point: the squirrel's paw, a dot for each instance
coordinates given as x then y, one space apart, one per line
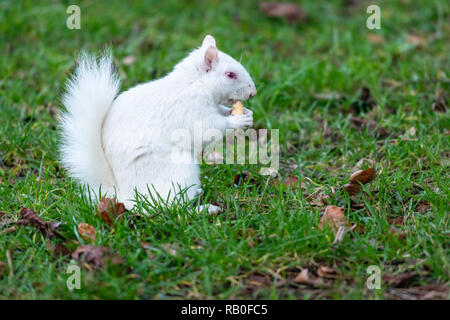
209 208
243 121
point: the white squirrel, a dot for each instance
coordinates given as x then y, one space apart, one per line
123 144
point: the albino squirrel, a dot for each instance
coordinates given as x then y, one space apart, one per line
121 144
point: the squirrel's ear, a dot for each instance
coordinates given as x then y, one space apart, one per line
209 41
211 58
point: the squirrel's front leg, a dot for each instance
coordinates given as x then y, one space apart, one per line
242 121
224 120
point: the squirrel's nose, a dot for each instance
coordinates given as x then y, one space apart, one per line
253 93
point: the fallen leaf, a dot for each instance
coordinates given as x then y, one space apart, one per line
30 218
353 189
60 250
289 182
396 280
360 177
327 272
431 291
318 199
334 217
363 176
397 220
302 277
423 207
258 280
109 209
94 256
86 231
287 10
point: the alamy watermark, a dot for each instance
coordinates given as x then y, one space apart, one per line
198 145
73 21
374 20
74 280
374 280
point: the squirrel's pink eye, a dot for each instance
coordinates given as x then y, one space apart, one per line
231 75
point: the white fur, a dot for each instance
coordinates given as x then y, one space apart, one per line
125 144
90 93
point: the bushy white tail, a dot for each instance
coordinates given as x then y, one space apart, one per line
88 98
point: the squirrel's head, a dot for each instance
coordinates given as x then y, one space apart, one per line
220 74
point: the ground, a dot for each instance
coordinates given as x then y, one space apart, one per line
310 75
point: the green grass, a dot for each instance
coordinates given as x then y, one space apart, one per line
266 233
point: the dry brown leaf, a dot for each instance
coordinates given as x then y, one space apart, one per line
334 217
327 272
357 178
87 232
302 277
363 176
30 218
60 250
432 291
317 199
258 279
287 10
290 182
353 189
423 207
397 220
396 280
109 209
94 256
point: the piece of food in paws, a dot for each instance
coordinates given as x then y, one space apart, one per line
237 109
